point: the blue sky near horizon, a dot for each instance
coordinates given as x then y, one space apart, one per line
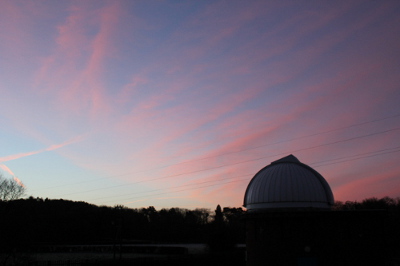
179 104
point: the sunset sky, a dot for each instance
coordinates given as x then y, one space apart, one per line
180 103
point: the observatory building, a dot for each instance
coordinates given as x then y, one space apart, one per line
289 220
287 184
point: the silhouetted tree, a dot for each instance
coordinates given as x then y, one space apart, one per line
198 216
385 203
219 218
10 189
221 239
235 224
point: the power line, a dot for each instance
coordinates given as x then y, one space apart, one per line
326 162
244 179
240 162
163 193
360 154
185 189
232 152
274 143
358 158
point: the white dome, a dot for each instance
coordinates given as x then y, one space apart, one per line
287 183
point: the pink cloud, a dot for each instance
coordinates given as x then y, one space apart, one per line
166 140
299 110
72 38
14 33
129 91
72 74
249 168
228 192
238 143
382 184
214 121
181 126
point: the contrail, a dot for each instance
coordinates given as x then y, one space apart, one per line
19 182
5 168
50 148
20 155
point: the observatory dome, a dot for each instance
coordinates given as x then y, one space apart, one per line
287 184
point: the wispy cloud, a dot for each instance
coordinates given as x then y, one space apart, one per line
214 87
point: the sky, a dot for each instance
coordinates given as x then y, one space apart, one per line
180 103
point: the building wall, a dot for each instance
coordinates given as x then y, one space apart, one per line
317 238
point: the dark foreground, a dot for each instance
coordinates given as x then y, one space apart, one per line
137 254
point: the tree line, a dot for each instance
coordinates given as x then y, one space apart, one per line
32 221
373 203
37 220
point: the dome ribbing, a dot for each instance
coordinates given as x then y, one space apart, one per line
287 183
